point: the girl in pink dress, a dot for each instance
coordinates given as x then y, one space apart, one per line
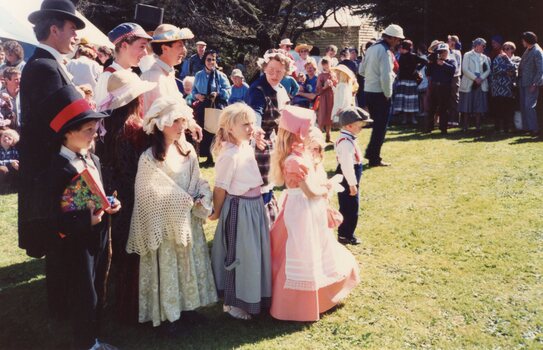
311 271
325 84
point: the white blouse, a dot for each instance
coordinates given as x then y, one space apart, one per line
236 170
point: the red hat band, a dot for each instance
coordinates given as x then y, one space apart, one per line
68 113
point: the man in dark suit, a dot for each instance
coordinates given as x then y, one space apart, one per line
55 26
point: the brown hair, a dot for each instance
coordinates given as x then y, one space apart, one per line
158 145
14 48
87 52
9 72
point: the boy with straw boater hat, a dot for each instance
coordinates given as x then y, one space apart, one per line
169 48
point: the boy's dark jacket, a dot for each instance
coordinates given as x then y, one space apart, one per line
57 177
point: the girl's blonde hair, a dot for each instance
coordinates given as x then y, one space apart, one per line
283 147
344 78
230 116
14 135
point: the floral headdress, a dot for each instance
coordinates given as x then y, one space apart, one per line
282 55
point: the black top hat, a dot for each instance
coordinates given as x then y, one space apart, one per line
64 9
68 108
149 17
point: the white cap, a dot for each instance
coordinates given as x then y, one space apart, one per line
237 73
286 42
395 31
442 47
201 43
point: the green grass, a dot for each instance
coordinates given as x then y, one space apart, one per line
451 258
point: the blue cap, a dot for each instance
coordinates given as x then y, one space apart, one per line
125 30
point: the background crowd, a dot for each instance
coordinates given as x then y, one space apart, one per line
140 97
445 84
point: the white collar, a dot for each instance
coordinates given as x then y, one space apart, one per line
71 155
166 67
57 55
347 133
117 66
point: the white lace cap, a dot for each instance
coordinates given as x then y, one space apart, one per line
163 112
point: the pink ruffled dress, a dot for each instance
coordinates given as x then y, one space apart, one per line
311 271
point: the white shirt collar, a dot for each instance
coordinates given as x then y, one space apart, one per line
57 55
117 66
71 155
166 67
347 133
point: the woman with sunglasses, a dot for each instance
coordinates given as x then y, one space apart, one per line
211 88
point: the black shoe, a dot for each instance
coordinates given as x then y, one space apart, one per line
444 132
208 163
352 241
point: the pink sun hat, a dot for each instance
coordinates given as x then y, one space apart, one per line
297 120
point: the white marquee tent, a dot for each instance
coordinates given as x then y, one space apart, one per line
14 23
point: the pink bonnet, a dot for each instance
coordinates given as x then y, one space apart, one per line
297 120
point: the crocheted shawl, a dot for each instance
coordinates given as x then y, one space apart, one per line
162 209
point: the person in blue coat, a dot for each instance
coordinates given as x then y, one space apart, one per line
240 87
211 89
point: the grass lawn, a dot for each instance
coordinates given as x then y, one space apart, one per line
452 258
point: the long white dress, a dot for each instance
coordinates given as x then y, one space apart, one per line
176 276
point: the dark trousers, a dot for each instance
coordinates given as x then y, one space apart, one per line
379 108
440 95
504 113
75 274
453 103
349 205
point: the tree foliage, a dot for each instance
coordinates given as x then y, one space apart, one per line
425 20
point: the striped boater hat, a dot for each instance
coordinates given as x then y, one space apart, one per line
168 32
68 108
125 30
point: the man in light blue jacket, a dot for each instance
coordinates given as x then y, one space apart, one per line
530 80
378 72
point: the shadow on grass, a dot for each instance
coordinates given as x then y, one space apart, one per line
486 135
24 323
528 139
13 275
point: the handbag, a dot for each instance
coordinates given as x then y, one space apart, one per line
211 119
212 114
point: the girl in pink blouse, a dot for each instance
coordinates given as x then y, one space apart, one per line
311 271
241 247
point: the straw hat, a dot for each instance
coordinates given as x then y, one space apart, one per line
300 47
123 87
168 32
343 68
